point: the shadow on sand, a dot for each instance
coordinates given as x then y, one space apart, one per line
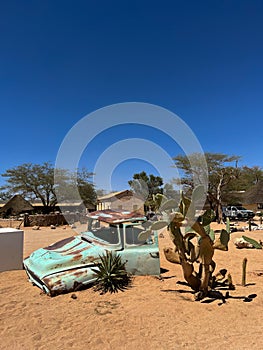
213 295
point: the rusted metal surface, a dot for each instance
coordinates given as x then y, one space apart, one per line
112 216
67 265
69 281
59 244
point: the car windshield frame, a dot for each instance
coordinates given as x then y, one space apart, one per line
108 235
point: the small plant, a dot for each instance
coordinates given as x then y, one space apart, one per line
254 243
111 274
244 272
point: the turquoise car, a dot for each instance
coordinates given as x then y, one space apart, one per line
67 265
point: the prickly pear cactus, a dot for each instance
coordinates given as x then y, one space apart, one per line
184 227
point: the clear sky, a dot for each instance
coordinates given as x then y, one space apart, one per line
61 60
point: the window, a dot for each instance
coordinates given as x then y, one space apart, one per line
109 235
132 233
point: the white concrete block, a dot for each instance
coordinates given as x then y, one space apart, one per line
11 249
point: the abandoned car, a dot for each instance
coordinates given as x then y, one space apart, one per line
67 265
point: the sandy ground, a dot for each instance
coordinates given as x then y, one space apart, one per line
153 314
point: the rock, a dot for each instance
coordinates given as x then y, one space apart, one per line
241 243
52 227
35 228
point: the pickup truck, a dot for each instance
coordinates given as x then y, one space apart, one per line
66 265
236 212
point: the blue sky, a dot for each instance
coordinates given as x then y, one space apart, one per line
61 60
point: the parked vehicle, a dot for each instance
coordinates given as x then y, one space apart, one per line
237 213
67 265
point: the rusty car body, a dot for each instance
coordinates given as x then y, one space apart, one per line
67 265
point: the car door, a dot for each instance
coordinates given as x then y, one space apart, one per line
142 258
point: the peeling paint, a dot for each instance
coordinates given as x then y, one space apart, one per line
67 265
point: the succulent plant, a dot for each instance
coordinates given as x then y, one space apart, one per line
244 271
252 241
183 227
111 274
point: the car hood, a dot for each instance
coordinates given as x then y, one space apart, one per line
64 255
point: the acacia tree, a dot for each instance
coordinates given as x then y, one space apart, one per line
32 181
221 172
246 178
85 187
5 196
36 181
147 186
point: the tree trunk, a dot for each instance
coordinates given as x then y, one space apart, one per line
219 213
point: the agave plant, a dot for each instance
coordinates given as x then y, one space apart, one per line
111 274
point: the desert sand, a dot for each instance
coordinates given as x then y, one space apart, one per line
153 314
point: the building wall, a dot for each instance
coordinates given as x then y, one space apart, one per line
129 203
